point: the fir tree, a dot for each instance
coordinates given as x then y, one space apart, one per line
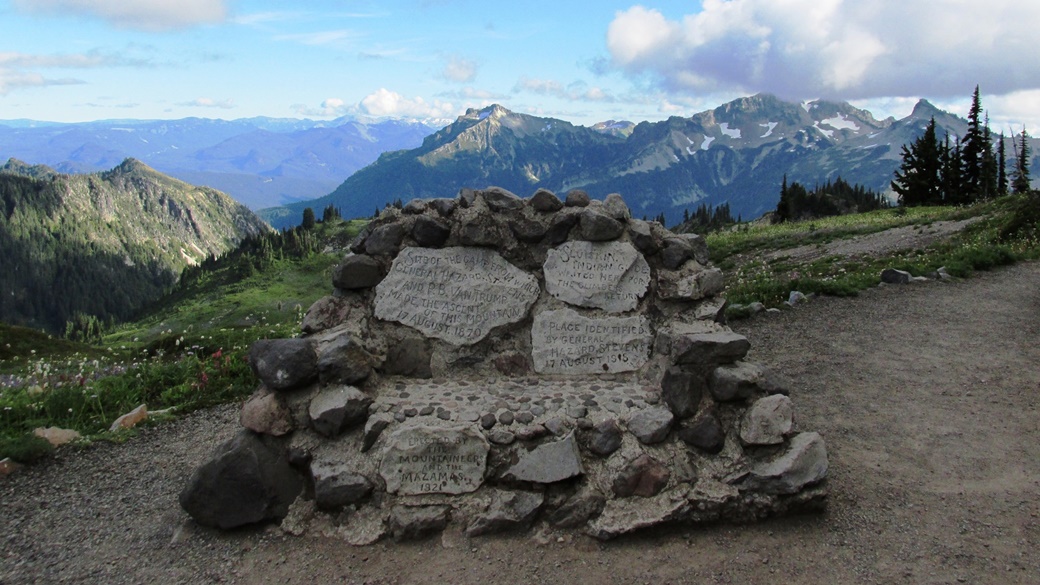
1002 180
1020 174
308 219
972 148
918 180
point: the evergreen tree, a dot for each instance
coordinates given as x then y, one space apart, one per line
783 207
972 148
330 213
988 175
918 180
950 185
1002 181
1020 174
308 219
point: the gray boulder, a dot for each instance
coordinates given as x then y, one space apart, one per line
335 487
545 201
705 349
284 364
248 480
548 463
385 240
616 208
499 199
578 509
599 227
266 413
357 271
430 232
577 198
681 391
508 510
742 380
703 432
644 477
893 276
604 438
415 522
803 463
344 361
338 408
768 421
651 425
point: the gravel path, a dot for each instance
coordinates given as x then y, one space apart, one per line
927 396
910 237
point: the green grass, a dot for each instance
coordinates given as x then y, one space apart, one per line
189 352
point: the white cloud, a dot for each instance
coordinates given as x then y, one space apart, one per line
205 102
578 91
20 70
384 102
329 108
460 70
847 49
137 14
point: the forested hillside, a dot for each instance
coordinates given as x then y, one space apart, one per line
100 246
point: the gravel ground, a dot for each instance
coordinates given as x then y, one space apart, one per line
926 394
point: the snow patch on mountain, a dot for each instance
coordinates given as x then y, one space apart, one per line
769 126
827 133
707 142
841 123
735 133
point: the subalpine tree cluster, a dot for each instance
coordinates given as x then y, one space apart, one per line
831 198
705 220
946 172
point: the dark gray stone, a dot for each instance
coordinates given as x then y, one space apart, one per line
335 486
604 438
501 437
385 240
681 391
326 313
499 199
505 418
374 426
560 228
651 425
548 463
739 381
545 201
284 364
430 232
357 271
623 516
467 197
644 477
247 480
707 349
531 432
344 361
482 231
508 510
616 208
893 276
578 510
558 426
642 237
768 421
408 357
415 522
577 198
337 409
599 227
675 252
703 432
443 206
488 421
414 207
804 462
698 245
528 231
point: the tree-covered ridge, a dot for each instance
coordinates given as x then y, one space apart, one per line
832 198
104 244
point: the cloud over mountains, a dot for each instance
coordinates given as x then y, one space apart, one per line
138 14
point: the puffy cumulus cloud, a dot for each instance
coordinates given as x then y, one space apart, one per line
329 108
384 102
459 70
137 14
205 102
578 91
846 49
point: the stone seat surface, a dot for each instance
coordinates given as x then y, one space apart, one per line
514 403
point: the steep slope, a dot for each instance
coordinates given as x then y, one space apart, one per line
104 244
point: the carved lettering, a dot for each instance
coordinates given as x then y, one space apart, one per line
612 276
565 342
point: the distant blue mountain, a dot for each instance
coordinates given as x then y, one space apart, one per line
261 162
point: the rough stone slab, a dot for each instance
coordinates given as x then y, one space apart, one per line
893 276
457 294
357 271
644 477
428 459
508 510
767 421
691 283
336 485
599 227
804 462
710 348
548 463
739 381
565 342
651 425
338 408
284 364
414 522
266 413
628 515
612 276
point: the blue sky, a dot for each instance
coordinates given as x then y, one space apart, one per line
583 61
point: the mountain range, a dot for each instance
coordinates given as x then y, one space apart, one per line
261 162
104 244
737 153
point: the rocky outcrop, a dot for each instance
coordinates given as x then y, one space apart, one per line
491 361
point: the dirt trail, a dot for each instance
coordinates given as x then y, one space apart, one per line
926 394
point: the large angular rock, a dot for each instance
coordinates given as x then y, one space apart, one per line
338 408
692 282
415 522
578 509
326 313
616 208
627 515
651 425
430 232
247 481
644 477
681 391
284 364
499 199
599 227
704 432
545 201
385 240
604 438
266 413
768 421
335 485
548 463
740 381
344 361
893 276
560 228
803 463
706 349
642 236
357 271
508 510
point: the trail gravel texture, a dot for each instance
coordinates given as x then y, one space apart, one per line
927 395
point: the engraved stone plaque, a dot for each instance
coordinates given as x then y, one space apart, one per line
565 342
427 459
456 294
607 275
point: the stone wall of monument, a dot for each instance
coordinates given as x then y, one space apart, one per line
494 361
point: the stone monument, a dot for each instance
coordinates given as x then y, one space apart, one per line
493 362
